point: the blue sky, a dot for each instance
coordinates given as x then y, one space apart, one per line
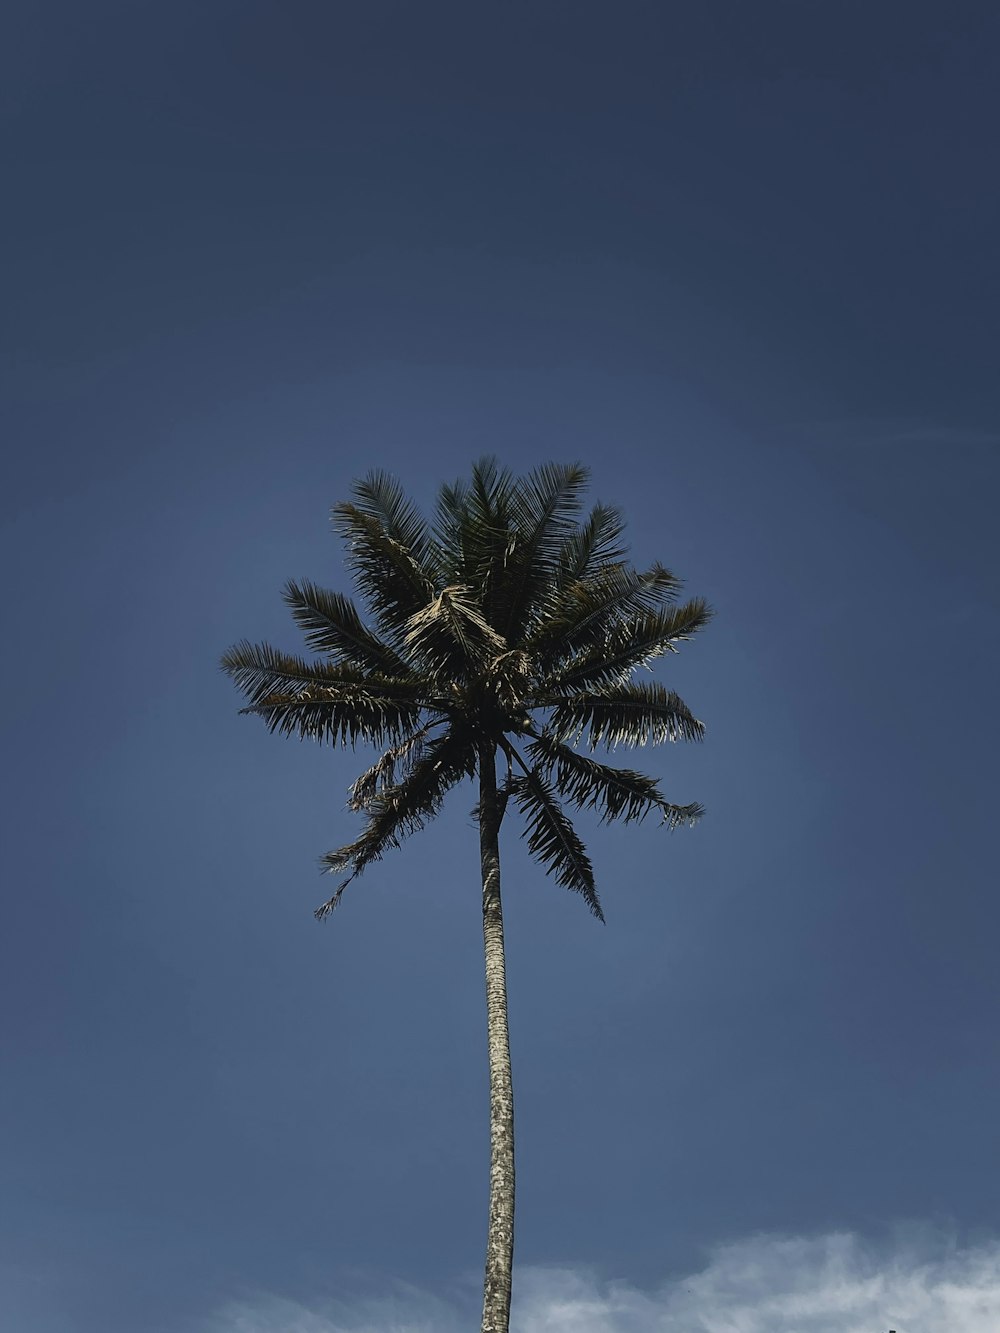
743 265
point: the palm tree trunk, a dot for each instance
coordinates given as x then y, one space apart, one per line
500 1238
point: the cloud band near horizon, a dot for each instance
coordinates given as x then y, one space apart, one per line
921 1282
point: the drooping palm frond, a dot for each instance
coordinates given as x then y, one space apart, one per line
330 624
551 837
544 508
404 808
633 643
615 793
390 578
392 767
636 714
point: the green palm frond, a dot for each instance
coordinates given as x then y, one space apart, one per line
491 492
473 531
552 839
382 498
472 537
634 714
404 808
323 702
259 670
341 716
330 624
590 611
633 643
615 793
595 544
544 507
390 578
453 535
490 533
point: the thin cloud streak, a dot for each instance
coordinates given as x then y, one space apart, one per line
829 1284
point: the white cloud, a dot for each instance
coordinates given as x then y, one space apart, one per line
828 1284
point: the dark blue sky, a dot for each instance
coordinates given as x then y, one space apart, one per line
742 261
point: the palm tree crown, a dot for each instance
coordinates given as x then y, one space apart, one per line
510 623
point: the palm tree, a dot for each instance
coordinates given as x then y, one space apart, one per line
509 626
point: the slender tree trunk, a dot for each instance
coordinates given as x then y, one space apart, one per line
500 1239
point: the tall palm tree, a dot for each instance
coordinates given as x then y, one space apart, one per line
509 626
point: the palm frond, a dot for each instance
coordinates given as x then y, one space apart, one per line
490 491
391 767
450 635
453 533
634 714
404 808
589 611
633 643
324 702
595 544
330 624
382 498
551 837
389 576
259 670
615 793
510 676
544 506
472 535
490 532
339 717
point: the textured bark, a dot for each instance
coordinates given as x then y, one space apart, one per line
500 1238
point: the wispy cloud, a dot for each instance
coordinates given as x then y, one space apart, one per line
828 1284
